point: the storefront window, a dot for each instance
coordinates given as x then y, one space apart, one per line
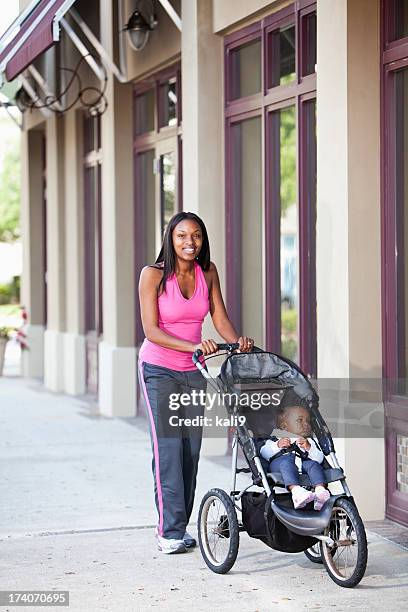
289 223
145 187
157 162
282 56
394 278
400 19
270 214
145 108
167 188
401 200
309 23
168 103
247 236
245 70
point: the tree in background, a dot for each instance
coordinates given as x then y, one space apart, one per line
10 195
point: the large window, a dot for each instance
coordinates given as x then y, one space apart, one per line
271 181
157 165
394 139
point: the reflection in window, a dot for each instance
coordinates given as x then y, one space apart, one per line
145 194
167 188
90 218
309 40
401 189
401 19
282 56
289 236
246 70
309 201
247 202
146 247
144 112
168 103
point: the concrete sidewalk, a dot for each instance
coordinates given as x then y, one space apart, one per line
77 513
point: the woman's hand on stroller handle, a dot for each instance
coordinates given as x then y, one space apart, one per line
246 344
204 348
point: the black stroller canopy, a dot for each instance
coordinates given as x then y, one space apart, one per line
260 371
270 371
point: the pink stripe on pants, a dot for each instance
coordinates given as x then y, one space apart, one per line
155 451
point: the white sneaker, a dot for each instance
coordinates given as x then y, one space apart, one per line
170 546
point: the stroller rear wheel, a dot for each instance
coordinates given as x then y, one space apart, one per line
346 561
218 531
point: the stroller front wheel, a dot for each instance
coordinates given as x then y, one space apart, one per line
346 561
314 554
218 531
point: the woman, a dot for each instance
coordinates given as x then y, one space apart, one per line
175 295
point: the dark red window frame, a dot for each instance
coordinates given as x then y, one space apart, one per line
394 57
92 164
298 92
145 142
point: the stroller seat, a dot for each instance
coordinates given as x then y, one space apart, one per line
275 477
331 475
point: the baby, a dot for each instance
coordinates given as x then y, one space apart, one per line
296 420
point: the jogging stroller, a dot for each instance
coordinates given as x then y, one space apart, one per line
335 535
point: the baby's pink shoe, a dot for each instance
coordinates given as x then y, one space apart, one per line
301 497
321 497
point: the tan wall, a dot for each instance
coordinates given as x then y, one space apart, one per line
348 249
363 85
332 179
163 47
233 14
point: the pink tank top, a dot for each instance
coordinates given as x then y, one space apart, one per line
179 317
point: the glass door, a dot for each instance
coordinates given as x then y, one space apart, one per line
283 229
246 277
166 164
395 291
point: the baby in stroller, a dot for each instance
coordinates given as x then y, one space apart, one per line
282 450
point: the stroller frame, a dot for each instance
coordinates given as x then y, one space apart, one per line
300 522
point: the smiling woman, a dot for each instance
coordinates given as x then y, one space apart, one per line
176 293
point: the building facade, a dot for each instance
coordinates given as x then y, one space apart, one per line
283 125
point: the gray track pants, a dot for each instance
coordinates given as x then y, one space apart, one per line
176 449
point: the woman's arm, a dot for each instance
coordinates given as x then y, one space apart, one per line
222 322
148 286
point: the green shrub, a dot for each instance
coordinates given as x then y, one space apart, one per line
289 348
10 292
5 293
289 320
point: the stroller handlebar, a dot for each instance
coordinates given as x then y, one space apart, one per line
228 346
